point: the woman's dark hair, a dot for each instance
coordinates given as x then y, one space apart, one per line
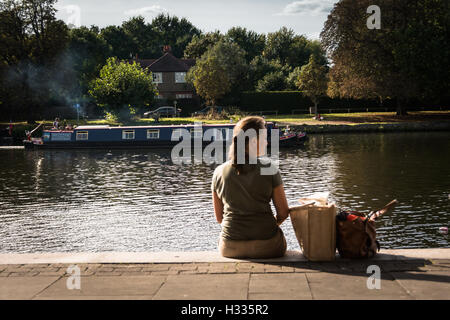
247 123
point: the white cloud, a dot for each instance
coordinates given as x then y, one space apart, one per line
307 7
145 11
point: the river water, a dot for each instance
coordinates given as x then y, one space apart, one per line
138 200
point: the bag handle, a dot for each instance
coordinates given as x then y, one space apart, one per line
373 215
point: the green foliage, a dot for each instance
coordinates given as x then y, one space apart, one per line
251 42
407 58
292 79
210 78
121 87
260 67
273 81
136 37
313 80
289 48
201 43
226 61
31 43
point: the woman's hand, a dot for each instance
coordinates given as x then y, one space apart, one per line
280 203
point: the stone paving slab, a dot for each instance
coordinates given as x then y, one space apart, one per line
353 287
292 286
23 288
425 285
204 287
105 286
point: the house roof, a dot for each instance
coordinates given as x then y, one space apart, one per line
167 63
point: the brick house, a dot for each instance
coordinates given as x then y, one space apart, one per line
169 74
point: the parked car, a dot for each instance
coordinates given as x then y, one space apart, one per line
166 111
207 110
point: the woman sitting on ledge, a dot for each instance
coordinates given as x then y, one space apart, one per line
242 193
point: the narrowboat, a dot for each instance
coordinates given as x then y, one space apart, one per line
157 136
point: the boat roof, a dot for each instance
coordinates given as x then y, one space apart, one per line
155 127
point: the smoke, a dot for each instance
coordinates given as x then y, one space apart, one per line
57 82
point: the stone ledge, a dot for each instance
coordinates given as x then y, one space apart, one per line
200 256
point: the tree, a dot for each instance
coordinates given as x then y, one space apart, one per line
144 39
251 42
86 53
122 88
273 81
292 79
407 58
287 47
313 81
260 67
201 43
175 32
31 43
210 78
121 44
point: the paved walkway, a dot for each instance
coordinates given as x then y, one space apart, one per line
405 274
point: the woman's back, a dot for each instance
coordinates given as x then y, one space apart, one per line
246 197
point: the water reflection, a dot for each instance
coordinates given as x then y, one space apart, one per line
128 200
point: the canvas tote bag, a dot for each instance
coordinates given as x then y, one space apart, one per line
315 228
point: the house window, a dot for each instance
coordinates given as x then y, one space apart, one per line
196 132
157 77
159 97
128 134
152 134
183 96
180 77
82 135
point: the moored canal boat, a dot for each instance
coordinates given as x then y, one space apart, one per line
159 136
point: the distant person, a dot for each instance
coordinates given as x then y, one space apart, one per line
242 197
56 124
156 117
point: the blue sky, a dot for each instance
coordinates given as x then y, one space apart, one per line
303 16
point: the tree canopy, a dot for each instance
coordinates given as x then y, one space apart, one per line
406 58
123 88
313 81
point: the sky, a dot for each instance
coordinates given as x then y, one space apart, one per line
263 16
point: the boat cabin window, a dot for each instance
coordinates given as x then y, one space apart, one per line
82 135
153 134
128 134
196 132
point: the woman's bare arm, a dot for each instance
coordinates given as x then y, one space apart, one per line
218 207
280 203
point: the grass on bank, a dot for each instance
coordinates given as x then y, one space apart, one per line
329 118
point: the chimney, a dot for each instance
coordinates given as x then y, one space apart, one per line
167 48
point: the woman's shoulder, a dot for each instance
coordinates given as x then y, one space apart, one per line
220 168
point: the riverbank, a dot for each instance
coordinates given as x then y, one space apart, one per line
371 127
331 123
405 274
